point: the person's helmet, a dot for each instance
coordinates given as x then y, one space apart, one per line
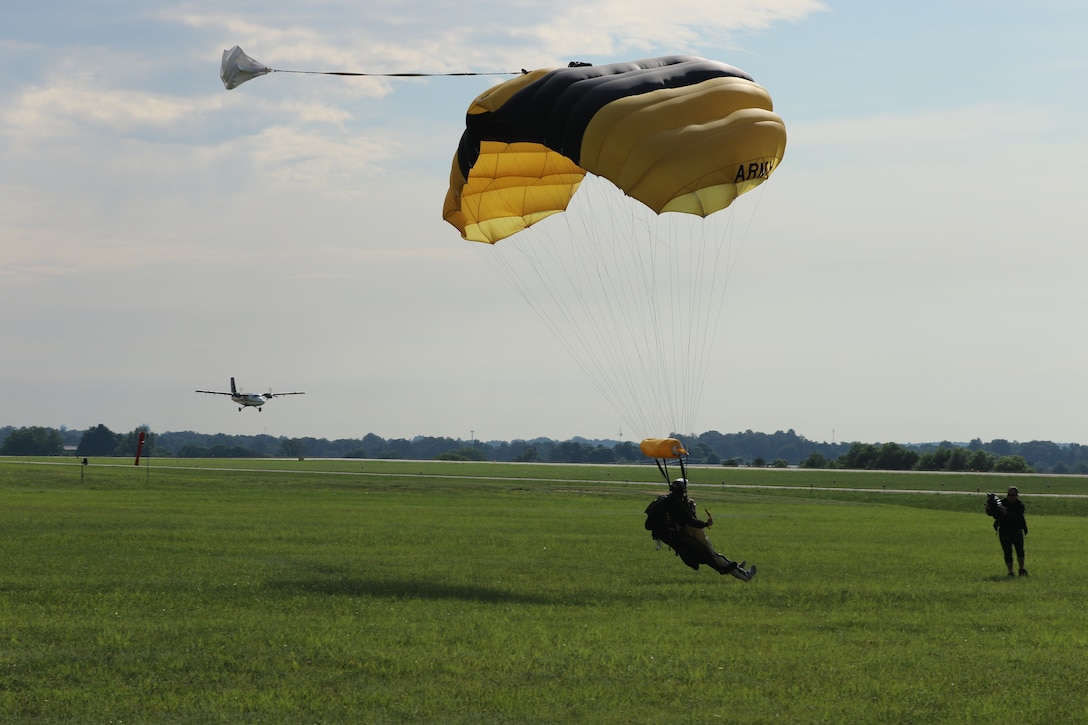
679 486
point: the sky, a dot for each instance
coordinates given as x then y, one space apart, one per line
914 270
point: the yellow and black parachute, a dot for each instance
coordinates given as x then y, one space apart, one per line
633 293
677 133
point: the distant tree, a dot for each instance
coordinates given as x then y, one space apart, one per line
894 457
1036 451
223 451
701 452
780 463
292 448
934 460
32 441
949 458
428 447
1012 464
465 453
958 460
981 461
750 445
628 451
814 460
860 456
69 436
398 448
569 452
529 455
757 446
601 454
97 441
373 442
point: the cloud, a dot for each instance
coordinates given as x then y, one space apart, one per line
56 109
619 26
414 35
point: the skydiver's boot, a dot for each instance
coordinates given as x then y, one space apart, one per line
745 575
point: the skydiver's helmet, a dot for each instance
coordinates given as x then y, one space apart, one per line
679 486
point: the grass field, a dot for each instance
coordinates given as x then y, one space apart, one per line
404 592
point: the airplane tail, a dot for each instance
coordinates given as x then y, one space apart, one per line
233 390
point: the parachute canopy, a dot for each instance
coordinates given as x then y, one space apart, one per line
677 133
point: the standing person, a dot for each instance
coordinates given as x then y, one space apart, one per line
673 519
1012 527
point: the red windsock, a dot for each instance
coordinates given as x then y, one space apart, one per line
140 446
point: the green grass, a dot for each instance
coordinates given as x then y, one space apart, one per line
401 592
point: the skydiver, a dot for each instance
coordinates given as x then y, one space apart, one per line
1011 528
673 518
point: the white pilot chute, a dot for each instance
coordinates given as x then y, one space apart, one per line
237 68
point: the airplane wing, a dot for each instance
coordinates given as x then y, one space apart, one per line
212 392
276 395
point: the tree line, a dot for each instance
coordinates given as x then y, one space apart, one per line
747 448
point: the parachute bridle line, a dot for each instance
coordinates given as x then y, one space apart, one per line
236 68
396 75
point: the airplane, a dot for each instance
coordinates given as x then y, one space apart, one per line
247 400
